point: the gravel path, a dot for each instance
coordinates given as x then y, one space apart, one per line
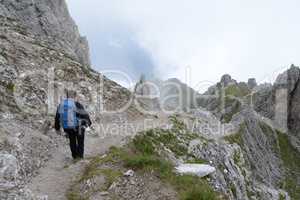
56 177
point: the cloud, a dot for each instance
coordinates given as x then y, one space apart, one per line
209 38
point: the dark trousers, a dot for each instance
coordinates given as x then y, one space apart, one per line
76 137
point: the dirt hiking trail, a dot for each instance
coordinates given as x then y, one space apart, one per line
53 180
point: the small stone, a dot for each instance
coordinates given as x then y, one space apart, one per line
113 186
103 156
89 183
129 173
132 182
104 193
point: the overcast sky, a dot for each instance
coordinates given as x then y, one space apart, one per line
254 38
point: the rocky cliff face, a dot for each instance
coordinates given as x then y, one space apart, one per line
280 102
268 119
33 74
50 20
248 162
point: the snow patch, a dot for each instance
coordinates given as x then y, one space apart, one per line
200 170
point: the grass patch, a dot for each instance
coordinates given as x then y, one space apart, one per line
110 177
281 196
95 168
237 157
291 161
236 91
148 142
145 158
11 87
233 189
145 162
237 137
74 195
196 161
144 154
235 108
223 107
144 143
177 124
177 148
266 129
271 136
193 188
234 138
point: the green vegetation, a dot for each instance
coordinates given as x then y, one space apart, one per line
177 124
291 159
110 177
93 169
281 196
94 166
250 193
231 104
188 187
237 137
145 143
11 87
237 160
144 154
271 135
152 139
233 189
75 195
237 157
235 108
196 161
236 91
266 129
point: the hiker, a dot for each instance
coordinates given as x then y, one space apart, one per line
72 117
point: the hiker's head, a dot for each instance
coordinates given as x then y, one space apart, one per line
71 94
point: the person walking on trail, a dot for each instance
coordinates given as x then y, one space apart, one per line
73 118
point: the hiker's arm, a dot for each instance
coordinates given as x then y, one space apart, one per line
57 120
83 115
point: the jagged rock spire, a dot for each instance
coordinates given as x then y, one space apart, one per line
227 80
251 83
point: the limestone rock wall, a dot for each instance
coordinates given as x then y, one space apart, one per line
49 19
